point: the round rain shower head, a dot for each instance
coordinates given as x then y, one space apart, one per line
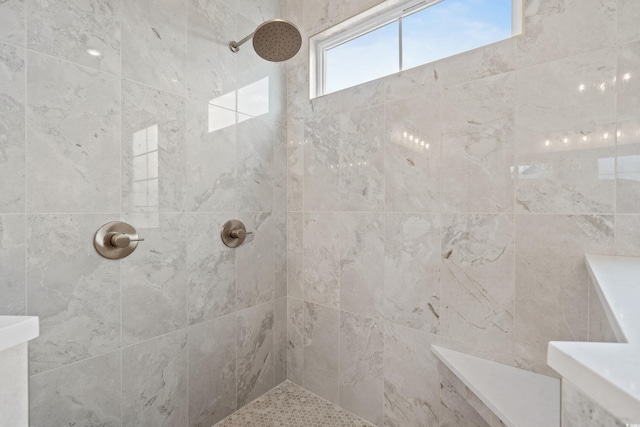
276 40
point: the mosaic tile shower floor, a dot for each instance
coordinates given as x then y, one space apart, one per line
289 405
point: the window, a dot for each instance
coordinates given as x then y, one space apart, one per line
386 40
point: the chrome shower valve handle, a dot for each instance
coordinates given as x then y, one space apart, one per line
116 240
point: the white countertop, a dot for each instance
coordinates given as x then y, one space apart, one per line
16 330
608 373
519 398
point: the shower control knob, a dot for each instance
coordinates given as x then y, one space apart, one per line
122 240
234 233
116 240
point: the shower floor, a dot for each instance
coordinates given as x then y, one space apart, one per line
289 405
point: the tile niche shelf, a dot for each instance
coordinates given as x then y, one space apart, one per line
517 397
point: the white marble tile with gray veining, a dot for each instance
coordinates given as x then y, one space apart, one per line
153 150
83 32
478 288
73 290
366 95
295 255
322 164
211 67
361 363
74 129
12 21
628 167
455 407
211 158
154 278
322 258
211 268
12 265
212 371
12 127
256 352
477 145
259 11
628 12
411 386
628 235
280 339
362 160
564 135
551 284
280 254
423 80
412 271
559 30
154 382
154 43
321 362
599 327
83 394
362 255
279 168
295 339
14 393
628 82
412 155
295 165
255 142
580 411
256 260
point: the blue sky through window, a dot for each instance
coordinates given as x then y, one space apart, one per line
439 31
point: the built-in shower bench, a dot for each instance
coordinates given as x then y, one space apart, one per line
517 397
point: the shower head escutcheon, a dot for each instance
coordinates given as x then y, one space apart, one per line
275 40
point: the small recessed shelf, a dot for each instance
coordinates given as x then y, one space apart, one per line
517 397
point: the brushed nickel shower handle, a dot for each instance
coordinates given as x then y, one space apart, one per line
240 233
122 240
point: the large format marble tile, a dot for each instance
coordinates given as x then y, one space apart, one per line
628 82
412 271
551 280
295 339
12 126
154 43
423 80
12 21
564 135
255 142
83 394
280 254
73 290
455 407
211 158
212 371
74 129
411 382
628 12
579 411
154 278
362 160
295 255
14 394
559 30
211 268
412 154
322 258
211 66
477 145
154 382
280 339
153 150
361 363
362 264
321 361
71 29
255 352
628 235
322 163
478 288
12 265
256 260
258 11
366 95
295 165
628 167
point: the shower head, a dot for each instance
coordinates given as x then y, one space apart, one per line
276 40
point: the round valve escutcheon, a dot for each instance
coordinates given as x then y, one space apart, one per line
234 233
116 240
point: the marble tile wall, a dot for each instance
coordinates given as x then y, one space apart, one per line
137 110
474 240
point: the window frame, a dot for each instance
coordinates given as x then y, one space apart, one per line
371 20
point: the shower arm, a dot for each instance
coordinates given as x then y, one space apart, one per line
235 46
